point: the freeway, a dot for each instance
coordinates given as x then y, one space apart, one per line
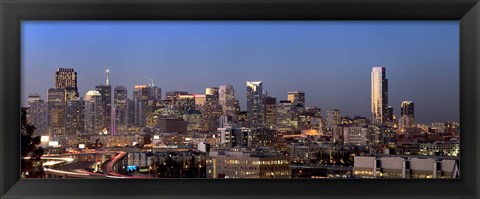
65 165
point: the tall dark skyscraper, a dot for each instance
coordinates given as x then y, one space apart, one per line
379 95
66 78
106 94
407 108
255 103
140 99
270 111
120 102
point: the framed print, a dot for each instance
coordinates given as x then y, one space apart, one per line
243 99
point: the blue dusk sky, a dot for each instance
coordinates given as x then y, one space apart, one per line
330 60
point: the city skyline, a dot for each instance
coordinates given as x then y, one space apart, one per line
317 93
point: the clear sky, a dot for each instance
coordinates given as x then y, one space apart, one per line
330 60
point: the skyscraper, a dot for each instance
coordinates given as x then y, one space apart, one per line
154 92
297 97
56 114
407 108
333 118
270 111
284 115
106 93
94 119
66 78
120 104
38 114
75 110
226 98
140 99
379 95
407 115
255 102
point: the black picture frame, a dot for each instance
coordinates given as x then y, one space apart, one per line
12 12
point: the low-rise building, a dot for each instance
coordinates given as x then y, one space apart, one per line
228 164
396 166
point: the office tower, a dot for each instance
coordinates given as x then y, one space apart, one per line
407 115
66 78
106 93
152 107
120 104
226 98
56 114
379 95
38 114
140 99
255 102
333 118
270 111
75 121
210 109
154 92
284 115
390 116
130 113
407 108
94 118
212 91
297 97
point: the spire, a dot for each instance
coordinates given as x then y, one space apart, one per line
107 82
151 83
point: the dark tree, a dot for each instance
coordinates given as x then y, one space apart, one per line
31 164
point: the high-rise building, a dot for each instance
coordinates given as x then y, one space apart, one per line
407 108
226 98
120 104
389 114
297 97
130 112
379 95
407 115
270 111
154 92
255 102
140 99
38 114
94 119
66 78
284 115
75 117
333 118
56 114
106 93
